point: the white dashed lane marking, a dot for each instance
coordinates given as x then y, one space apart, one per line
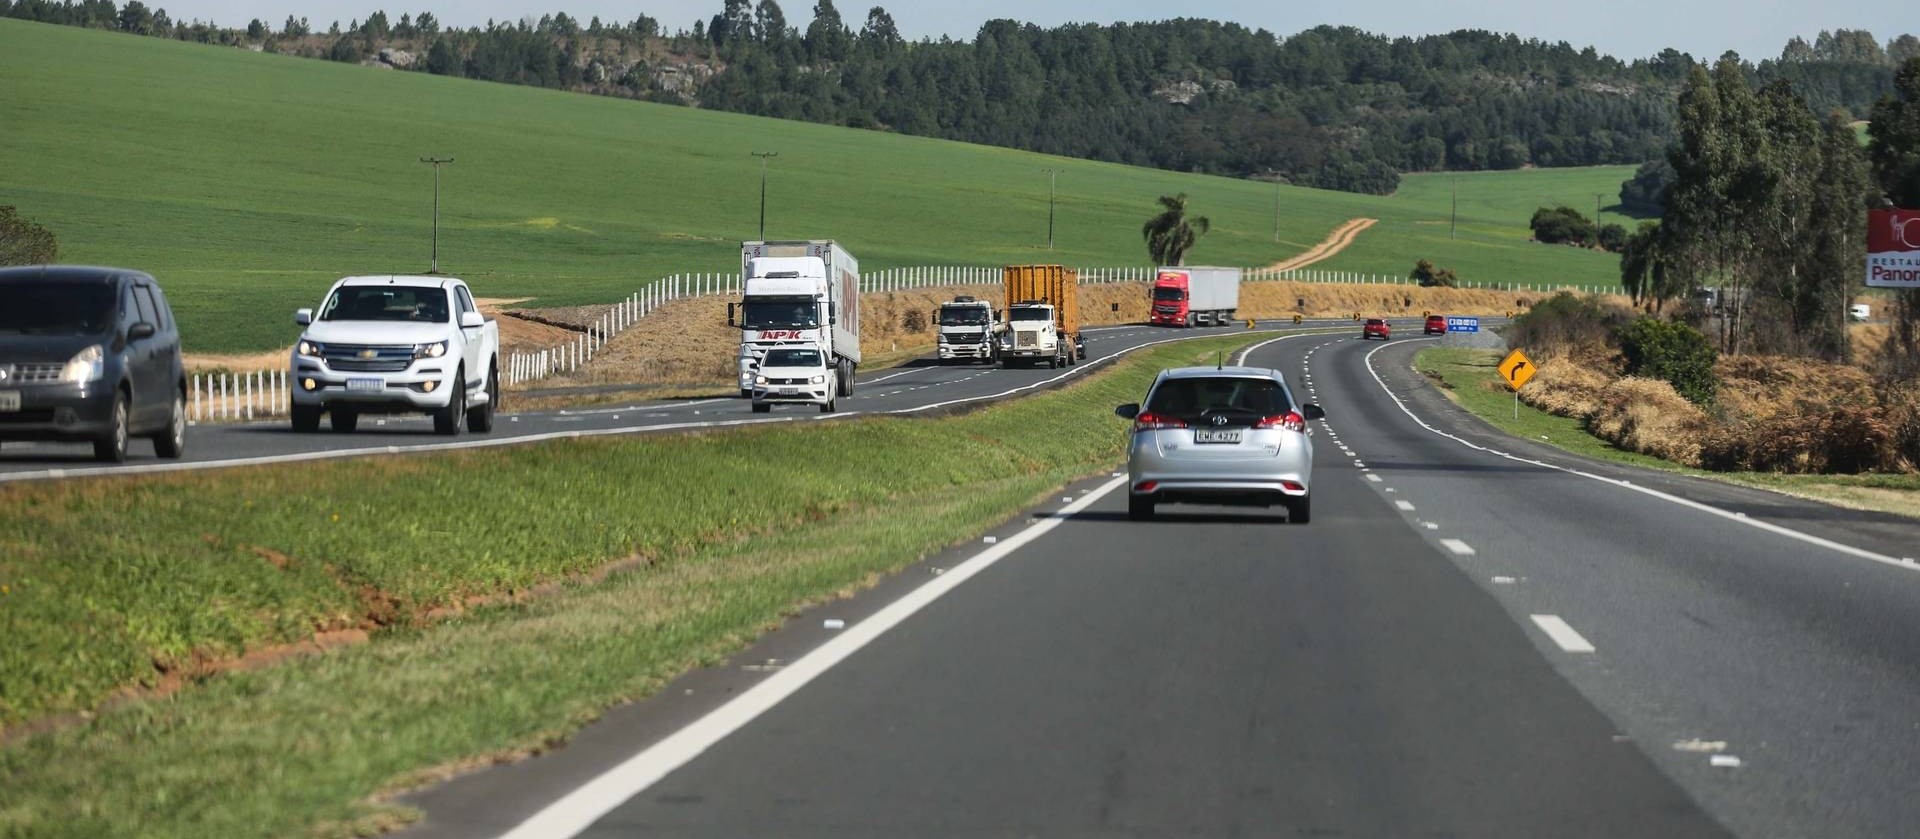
1562 634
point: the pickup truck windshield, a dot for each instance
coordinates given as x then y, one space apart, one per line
35 307
970 316
780 314
1030 314
416 304
1166 293
792 358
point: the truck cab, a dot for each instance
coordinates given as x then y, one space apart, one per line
797 294
969 330
1033 336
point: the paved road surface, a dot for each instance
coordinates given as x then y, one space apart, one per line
917 387
1476 637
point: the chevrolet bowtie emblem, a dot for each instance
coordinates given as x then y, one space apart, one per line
368 353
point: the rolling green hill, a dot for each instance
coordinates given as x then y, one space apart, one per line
248 181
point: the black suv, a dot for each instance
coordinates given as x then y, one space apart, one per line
90 354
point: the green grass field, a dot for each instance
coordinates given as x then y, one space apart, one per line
248 181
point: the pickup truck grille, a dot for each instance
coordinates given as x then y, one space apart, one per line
32 374
1026 339
352 358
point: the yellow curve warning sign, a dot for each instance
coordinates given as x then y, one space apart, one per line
1516 368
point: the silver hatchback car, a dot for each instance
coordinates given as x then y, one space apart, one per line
1220 435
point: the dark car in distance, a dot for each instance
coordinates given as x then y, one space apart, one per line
90 354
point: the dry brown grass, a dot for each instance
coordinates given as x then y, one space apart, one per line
1567 388
1650 417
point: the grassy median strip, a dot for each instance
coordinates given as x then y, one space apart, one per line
724 533
1471 381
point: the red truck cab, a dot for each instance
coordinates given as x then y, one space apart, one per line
1169 304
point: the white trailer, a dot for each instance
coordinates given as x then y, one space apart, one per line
798 293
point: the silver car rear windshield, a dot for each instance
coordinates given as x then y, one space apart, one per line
1192 397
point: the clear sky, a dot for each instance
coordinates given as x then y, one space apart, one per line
1626 29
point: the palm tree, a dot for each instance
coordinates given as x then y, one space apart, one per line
1171 234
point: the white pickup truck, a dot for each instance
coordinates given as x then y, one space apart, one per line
396 345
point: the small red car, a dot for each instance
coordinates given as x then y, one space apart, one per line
1436 325
1376 328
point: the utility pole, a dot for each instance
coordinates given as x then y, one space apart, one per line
1275 175
436 162
1596 218
1453 221
764 156
1052 176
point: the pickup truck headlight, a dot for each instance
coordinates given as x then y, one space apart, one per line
312 348
89 366
433 350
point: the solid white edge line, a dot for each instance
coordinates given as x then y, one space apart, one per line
1738 518
1562 634
587 803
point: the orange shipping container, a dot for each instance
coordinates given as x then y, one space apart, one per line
1055 284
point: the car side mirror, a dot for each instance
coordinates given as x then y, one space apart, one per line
730 314
1127 411
139 330
1312 411
470 320
303 317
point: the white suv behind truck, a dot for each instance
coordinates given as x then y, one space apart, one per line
396 345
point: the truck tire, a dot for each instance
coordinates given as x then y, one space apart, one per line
480 419
306 418
745 393
171 442
827 407
446 421
1139 507
761 407
344 420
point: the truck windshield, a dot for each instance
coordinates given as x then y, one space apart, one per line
777 313
35 307
968 316
418 304
792 358
1169 293
1030 314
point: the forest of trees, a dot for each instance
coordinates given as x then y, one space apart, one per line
1330 107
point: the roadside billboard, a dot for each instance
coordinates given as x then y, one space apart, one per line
1893 248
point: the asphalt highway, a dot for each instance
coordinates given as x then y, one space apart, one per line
920 386
1475 637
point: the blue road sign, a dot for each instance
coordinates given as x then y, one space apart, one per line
1463 324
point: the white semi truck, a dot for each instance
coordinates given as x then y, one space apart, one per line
969 330
798 293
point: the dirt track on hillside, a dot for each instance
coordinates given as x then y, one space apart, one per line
1336 242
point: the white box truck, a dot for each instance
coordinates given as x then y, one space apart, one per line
1186 296
798 293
